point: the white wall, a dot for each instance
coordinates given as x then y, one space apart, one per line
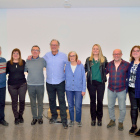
77 29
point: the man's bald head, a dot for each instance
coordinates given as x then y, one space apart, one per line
117 51
117 55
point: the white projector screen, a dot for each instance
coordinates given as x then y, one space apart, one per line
77 29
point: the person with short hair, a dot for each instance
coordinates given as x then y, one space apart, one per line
133 87
35 84
17 85
55 81
75 87
117 70
2 89
96 77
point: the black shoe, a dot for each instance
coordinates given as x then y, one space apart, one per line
3 122
93 123
99 123
40 121
21 120
52 121
137 134
33 121
65 125
16 121
132 130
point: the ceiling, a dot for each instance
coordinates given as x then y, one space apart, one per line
8 4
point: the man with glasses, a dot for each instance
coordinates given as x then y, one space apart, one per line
35 83
2 89
55 81
117 70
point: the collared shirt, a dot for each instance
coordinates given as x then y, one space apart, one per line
117 79
55 65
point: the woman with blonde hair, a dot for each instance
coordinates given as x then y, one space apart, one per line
17 86
96 77
133 87
75 87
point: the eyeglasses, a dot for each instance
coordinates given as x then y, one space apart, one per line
35 50
53 45
117 54
72 55
16 53
136 51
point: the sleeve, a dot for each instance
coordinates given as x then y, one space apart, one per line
7 67
65 59
86 67
106 62
107 69
26 68
45 63
84 79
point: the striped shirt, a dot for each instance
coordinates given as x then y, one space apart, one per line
2 72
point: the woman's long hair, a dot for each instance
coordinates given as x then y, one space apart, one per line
20 59
101 57
131 57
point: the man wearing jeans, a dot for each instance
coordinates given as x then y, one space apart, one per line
117 70
2 89
35 83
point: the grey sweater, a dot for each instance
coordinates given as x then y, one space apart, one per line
34 67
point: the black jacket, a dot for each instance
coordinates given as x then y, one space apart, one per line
102 68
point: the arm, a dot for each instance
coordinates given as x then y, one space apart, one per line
107 69
26 68
7 68
106 62
86 65
45 64
84 81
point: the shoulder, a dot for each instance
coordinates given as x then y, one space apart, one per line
111 62
126 63
87 59
48 53
62 54
23 61
105 58
80 65
41 59
8 62
2 59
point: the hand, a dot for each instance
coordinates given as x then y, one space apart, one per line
29 57
78 62
83 93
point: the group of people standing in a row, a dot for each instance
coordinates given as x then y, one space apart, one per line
68 74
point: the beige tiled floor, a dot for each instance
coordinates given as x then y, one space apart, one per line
56 132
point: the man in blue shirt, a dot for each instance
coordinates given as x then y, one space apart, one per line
55 81
2 89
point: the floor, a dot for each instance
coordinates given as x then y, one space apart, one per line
48 131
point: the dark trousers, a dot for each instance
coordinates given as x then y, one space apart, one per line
2 102
15 91
58 89
134 105
92 89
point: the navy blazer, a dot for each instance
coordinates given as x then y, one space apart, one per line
137 82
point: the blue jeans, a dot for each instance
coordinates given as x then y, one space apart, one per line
78 104
36 92
2 102
121 101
